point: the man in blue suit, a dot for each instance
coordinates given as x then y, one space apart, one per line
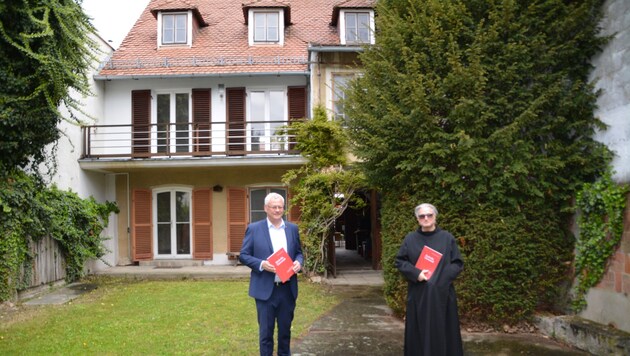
275 301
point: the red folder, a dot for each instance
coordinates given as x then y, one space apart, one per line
283 263
429 260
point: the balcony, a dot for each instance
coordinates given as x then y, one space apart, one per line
183 140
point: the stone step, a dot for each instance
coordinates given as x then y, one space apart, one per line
171 263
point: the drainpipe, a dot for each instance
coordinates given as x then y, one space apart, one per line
128 214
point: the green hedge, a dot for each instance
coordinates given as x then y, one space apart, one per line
486 110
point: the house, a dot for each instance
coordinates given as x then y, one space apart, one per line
189 140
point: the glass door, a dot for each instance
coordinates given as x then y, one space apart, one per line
173 123
267 117
173 217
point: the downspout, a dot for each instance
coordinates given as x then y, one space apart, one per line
128 214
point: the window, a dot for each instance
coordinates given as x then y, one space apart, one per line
174 28
173 122
266 26
172 231
356 27
266 116
339 85
257 202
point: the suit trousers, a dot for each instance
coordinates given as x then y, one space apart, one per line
280 306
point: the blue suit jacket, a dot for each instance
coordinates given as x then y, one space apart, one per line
257 247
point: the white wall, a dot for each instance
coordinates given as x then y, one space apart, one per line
69 175
612 76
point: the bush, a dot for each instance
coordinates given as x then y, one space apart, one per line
485 110
31 211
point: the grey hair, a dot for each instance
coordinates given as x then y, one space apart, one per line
426 205
273 196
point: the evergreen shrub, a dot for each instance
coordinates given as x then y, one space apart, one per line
484 109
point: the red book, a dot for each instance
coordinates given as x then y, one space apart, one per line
429 260
283 263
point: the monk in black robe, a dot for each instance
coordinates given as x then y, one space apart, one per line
432 322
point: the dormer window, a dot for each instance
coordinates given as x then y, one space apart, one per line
177 23
174 28
266 26
356 27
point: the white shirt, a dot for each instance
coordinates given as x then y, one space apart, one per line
278 239
278 236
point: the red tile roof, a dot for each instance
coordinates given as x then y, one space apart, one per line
222 46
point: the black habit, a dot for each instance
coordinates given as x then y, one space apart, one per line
432 322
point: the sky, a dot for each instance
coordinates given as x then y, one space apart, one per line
114 18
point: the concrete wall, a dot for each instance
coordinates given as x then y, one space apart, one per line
609 302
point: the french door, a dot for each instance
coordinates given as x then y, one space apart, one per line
173 123
267 117
172 209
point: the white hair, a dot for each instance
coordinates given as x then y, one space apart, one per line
425 205
273 196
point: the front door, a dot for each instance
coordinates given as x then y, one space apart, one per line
173 235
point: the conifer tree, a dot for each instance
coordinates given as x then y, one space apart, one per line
483 108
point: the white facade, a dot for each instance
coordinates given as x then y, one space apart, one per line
69 175
612 76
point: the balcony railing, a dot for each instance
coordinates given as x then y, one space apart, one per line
188 140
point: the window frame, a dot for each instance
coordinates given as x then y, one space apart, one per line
260 210
173 190
252 26
269 131
173 124
343 26
333 97
187 30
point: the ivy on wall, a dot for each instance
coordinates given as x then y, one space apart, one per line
601 205
29 211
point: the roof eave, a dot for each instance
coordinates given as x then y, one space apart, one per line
108 77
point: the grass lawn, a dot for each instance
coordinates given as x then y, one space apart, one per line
153 318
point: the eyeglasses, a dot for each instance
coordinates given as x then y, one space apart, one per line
422 216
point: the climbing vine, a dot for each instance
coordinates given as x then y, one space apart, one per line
601 205
324 186
29 211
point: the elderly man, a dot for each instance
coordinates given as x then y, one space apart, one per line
275 300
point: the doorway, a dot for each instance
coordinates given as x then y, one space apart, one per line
356 241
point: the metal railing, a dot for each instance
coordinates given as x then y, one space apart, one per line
188 140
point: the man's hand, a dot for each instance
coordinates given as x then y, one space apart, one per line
296 266
267 266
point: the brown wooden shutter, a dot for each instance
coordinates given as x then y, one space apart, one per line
202 110
237 218
202 223
297 103
236 120
141 225
297 108
295 209
140 119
